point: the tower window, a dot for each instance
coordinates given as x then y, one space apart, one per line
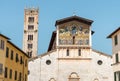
117 58
30 27
30 46
30 54
67 52
31 19
30 37
115 40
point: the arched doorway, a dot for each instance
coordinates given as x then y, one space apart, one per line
96 79
52 79
73 77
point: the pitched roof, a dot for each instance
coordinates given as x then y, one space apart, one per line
18 48
8 40
101 53
84 20
4 36
109 36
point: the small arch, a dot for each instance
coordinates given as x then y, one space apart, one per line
74 77
52 79
96 79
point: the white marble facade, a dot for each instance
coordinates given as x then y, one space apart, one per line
71 62
87 69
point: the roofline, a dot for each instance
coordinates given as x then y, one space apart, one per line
13 44
60 21
4 36
18 48
109 36
102 53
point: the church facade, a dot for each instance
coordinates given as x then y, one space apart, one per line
70 56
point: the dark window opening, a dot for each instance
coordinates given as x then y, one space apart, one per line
10 74
117 76
17 59
79 52
31 19
30 46
99 62
7 52
1 68
30 37
11 55
6 72
67 52
30 27
15 75
20 76
48 62
73 39
116 40
21 60
2 44
117 58
26 62
30 54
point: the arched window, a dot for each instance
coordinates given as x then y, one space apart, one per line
74 77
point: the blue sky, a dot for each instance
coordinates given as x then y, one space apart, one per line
104 13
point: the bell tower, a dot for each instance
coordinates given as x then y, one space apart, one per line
30 34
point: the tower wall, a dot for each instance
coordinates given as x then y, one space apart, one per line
30 36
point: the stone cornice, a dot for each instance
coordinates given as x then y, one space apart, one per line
74 58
